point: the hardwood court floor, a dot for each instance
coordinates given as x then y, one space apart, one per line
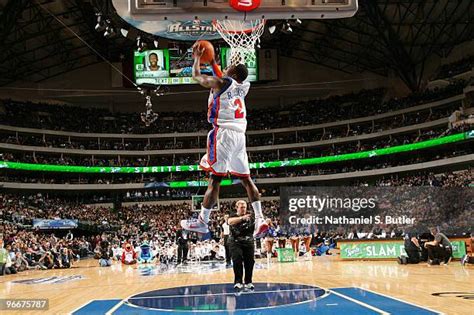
412 283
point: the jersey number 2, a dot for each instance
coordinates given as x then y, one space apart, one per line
239 113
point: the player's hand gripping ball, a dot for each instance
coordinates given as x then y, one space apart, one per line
204 50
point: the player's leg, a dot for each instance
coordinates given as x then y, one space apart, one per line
215 162
200 224
261 226
239 166
253 194
211 195
251 189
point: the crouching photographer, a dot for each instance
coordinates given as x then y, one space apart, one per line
440 249
412 248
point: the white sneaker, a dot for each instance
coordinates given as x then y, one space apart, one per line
238 286
464 260
195 225
249 286
447 261
261 227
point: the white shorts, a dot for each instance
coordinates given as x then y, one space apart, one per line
226 153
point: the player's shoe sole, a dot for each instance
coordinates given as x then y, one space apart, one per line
195 225
260 229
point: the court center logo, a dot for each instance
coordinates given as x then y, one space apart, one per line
202 268
50 280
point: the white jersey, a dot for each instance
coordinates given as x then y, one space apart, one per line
227 108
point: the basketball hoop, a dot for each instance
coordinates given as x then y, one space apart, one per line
242 36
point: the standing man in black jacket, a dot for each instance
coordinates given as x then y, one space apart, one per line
242 245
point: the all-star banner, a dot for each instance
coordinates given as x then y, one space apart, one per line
191 30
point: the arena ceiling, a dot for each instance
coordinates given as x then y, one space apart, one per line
384 36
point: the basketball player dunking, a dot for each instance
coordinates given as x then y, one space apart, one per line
226 150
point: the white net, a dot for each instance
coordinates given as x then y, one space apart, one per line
242 37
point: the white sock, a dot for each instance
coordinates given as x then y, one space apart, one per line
205 213
257 208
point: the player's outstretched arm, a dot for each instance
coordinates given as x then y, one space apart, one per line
206 81
217 70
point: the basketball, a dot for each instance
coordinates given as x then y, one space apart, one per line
208 54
